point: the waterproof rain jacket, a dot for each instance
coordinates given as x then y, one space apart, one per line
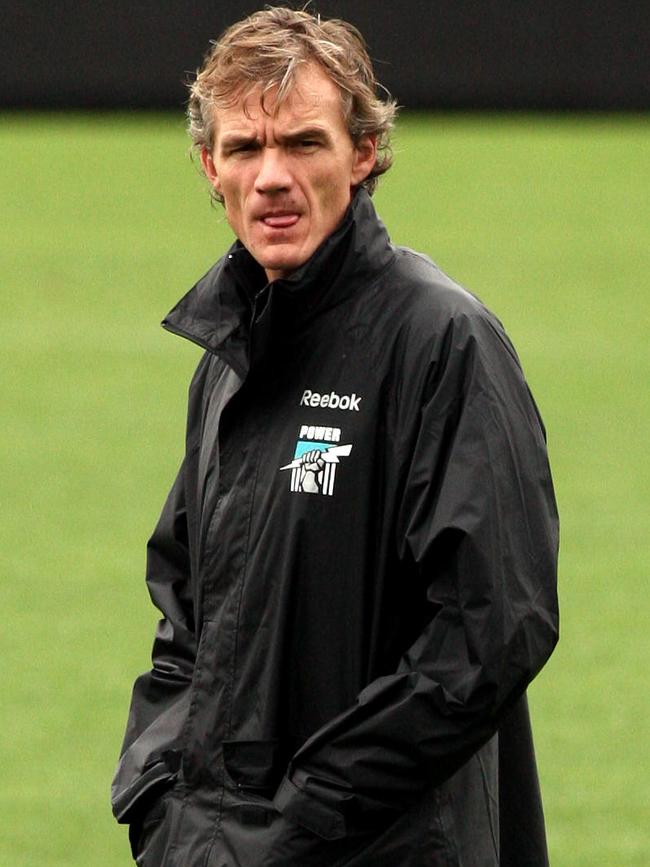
356 570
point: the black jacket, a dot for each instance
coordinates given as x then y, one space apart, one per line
356 568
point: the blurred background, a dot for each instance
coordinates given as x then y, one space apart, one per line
522 167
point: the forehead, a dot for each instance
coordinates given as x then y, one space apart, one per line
312 98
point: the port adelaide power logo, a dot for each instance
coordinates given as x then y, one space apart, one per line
319 449
315 460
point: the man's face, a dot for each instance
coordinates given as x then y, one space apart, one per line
287 177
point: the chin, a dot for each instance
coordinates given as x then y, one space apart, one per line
285 264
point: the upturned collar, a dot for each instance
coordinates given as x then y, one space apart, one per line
234 311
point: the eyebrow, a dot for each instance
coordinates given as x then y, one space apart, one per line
317 132
236 140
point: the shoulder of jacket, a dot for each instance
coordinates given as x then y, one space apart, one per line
432 302
436 322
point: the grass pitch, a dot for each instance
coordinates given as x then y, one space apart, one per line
105 225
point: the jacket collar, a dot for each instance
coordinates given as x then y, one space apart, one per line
234 312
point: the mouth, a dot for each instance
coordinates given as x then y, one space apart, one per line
280 220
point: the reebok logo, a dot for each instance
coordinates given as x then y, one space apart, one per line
331 400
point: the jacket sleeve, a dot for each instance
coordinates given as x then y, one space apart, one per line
150 756
477 521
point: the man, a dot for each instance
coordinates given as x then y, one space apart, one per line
356 563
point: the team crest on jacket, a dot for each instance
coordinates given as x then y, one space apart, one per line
315 460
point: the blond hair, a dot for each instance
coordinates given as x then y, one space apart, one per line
267 49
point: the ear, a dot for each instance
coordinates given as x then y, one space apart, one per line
210 169
365 157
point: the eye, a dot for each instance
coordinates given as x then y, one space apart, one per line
307 144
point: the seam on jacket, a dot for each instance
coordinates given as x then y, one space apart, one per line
228 703
183 742
447 831
233 671
191 711
488 800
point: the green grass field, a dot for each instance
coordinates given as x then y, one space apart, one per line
105 224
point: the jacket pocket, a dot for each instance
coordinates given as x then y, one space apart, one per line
254 766
153 838
141 829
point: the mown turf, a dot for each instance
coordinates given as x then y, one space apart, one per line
105 224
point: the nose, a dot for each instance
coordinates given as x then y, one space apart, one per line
274 175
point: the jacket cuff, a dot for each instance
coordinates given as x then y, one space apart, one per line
304 810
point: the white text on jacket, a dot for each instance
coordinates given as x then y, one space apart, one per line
332 400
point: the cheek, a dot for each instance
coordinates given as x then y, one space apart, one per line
333 193
233 200
233 184
232 210
325 185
